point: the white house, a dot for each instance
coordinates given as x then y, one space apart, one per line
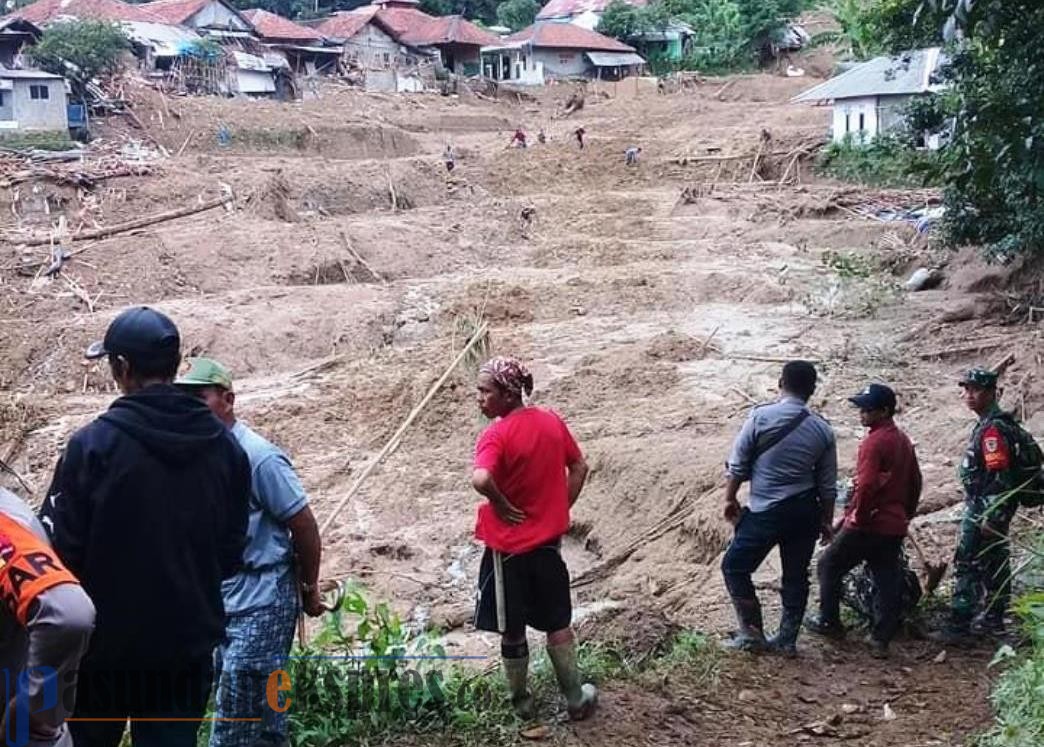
550 50
869 99
32 101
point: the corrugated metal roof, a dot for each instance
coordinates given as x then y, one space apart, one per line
614 59
551 35
164 39
906 73
273 26
28 74
570 8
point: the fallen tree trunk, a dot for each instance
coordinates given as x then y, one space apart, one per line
100 233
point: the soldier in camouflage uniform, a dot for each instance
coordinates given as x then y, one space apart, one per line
982 562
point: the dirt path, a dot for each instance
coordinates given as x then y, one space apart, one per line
650 324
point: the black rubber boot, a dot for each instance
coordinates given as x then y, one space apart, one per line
956 632
784 642
827 628
751 633
990 623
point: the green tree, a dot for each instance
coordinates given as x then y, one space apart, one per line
995 164
81 50
517 14
621 20
858 36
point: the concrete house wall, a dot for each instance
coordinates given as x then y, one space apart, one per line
562 63
855 118
21 112
866 117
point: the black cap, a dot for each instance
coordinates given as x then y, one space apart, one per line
874 397
141 335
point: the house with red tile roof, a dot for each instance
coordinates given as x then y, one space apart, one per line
45 12
549 50
305 48
214 18
457 40
368 41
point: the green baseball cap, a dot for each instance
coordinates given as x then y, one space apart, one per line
983 378
205 372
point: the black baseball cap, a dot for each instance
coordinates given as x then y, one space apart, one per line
874 397
141 335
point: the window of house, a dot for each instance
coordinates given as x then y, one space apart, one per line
862 121
848 122
39 93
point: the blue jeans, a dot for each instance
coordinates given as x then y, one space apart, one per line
793 525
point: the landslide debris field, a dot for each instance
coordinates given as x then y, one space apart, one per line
654 303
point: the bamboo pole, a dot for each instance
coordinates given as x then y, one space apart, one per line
100 233
480 333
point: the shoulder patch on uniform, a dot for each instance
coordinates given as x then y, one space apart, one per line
6 549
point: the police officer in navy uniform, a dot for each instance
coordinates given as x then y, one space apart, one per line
982 562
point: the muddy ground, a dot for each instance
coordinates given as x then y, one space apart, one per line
651 324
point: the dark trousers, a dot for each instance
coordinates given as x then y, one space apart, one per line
793 525
881 554
165 704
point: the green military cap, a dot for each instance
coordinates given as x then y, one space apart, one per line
979 377
205 372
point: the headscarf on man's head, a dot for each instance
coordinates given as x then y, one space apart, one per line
510 374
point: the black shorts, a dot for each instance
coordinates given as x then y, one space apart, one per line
536 591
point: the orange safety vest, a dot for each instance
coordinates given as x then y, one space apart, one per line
28 567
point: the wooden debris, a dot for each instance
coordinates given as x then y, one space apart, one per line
98 233
359 260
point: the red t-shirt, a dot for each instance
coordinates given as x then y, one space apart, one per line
527 453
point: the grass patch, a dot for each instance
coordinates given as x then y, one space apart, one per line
367 680
38 140
1018 694
885 161
293 139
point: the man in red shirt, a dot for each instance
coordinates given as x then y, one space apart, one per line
887 489
531 471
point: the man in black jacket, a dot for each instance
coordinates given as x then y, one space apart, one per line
148 508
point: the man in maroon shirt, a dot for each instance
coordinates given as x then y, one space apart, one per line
530 470
884 499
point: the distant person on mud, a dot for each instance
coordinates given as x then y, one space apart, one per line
281 562
531 471
148 508
541 137
449 158
580 132
885 497
45 623
518 139
992 471
631 155
789 455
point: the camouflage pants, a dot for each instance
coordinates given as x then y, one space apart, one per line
982 563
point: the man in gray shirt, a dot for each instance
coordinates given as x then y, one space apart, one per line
789 455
